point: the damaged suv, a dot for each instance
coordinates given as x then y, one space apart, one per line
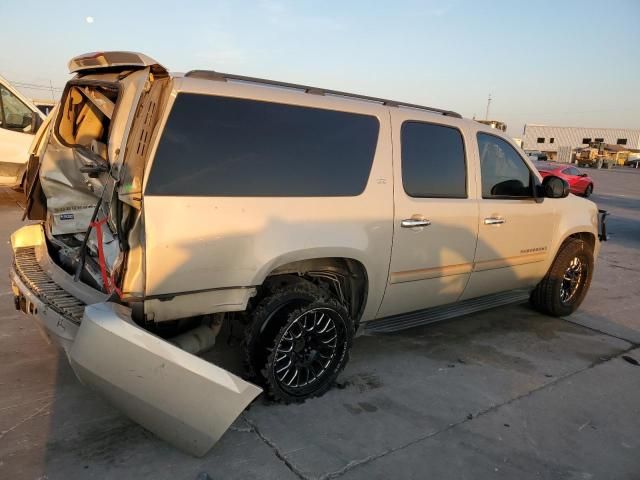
171 205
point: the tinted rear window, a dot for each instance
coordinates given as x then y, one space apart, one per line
218 146
433 161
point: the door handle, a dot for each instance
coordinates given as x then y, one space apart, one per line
415 222
494 220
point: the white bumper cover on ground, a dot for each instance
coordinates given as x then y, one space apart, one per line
180 397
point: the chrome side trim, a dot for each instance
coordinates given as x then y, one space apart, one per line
426 273
461 268
509 261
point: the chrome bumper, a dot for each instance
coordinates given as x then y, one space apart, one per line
178 396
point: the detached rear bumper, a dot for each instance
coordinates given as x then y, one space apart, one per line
178 396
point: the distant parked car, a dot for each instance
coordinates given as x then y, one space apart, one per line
535 155
633 162
580 183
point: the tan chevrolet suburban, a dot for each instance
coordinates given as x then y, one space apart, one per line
171 205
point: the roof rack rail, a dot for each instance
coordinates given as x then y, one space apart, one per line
213 75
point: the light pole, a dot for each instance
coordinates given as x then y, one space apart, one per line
486 114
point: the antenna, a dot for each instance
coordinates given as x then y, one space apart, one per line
486 114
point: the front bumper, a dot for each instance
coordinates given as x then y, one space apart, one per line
178 396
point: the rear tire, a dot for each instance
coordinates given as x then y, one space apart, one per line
282 295
564 287
309 352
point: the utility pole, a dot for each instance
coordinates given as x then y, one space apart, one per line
51 85
486 114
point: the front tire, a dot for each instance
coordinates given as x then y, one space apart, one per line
564 287
588 191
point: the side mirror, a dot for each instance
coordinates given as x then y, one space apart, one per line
35 121
583 175
555 187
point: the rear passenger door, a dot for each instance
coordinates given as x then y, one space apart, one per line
436 214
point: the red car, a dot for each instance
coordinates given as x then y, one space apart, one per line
579 183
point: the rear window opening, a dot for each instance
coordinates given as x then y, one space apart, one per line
86 116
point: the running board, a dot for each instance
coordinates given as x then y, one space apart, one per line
444 312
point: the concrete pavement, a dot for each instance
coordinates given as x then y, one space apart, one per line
506 393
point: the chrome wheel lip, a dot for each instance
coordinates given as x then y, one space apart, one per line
572 279
306 349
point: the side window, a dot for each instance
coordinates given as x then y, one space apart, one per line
433 161
219 146
15 114
504 173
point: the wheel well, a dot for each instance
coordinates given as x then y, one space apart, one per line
588 238
345 278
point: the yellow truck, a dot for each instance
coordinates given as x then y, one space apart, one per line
600 155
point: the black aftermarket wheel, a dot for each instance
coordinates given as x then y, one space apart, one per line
564 287
309 351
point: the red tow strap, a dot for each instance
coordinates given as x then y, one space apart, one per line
109 283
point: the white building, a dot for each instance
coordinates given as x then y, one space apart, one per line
547 138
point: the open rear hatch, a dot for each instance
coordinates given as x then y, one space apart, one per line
85 184
85 178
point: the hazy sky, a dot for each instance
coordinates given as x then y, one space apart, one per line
552 62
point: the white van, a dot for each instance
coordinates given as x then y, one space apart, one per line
19 121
